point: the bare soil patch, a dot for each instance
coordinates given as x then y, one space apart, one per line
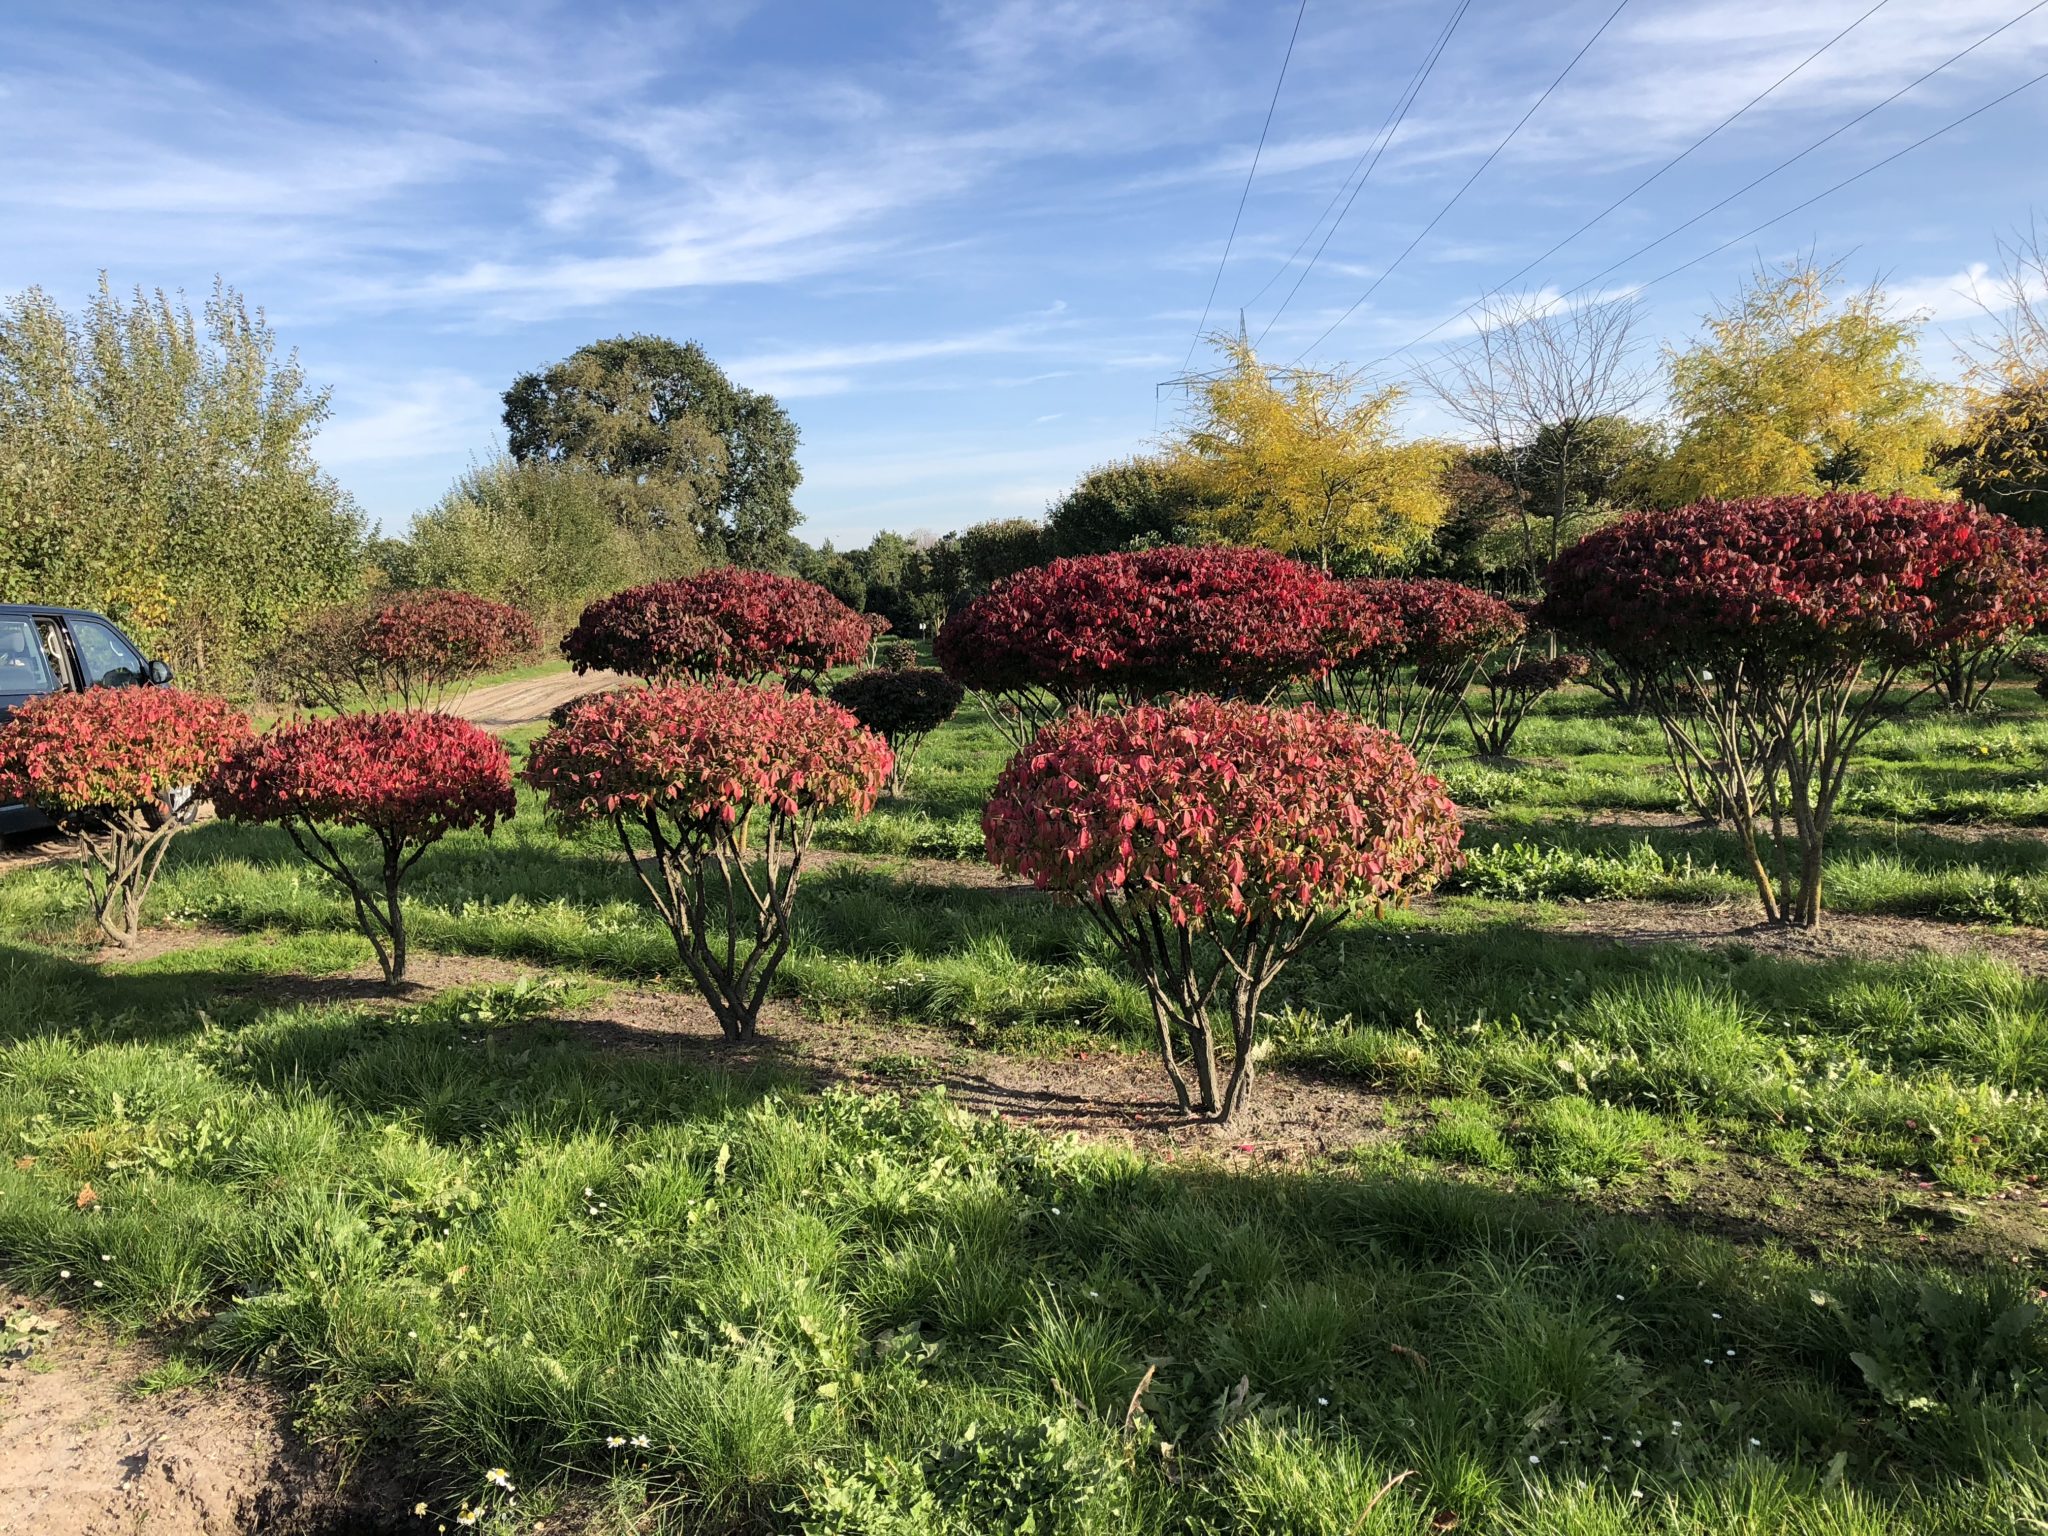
82 1453
1842 935
1101 1094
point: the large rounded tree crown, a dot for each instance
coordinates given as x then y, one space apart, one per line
663 417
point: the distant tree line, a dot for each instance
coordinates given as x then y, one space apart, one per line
159 464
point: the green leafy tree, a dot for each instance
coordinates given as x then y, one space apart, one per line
688 446
1134 503
543 536
991 551
159 466
1793 393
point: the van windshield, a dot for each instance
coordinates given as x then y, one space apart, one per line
23 667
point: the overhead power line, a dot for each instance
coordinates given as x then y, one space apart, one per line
1368 159
1948 127
1658 174
1494 154
1286 59
1758 181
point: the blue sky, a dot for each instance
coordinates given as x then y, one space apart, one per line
963 242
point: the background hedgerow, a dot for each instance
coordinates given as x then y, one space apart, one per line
406 777
1086 631
114 769
1212 842
714 792
728 622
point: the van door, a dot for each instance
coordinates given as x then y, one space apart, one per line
25 668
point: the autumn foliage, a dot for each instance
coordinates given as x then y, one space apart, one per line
1771 635
421 647
1122 627
427 646
714 791
406 777
1212 840
902 705
106 765
729 622
1404 651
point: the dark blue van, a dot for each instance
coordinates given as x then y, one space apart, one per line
43 649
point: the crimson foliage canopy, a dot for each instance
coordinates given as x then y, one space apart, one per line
1770 636
1211 840
1140 625
406 777
713 790
107 766
729 622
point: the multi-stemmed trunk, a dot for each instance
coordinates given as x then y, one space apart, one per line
1413 702
379 907
1769 752
123 852
1192 973
732 922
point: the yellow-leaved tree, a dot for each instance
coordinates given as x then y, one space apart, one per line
1791 391
1307 462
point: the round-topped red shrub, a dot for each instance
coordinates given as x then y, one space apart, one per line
714 791
426 646
729 622
2013 593
1403 651
406 777
1139 625
902 705
1212 840
1771 636
110 767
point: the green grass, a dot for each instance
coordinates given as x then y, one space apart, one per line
470 1233
460 1227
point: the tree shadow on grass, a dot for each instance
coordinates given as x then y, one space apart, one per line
1414 1319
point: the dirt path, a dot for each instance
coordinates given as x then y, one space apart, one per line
502 706
83 1452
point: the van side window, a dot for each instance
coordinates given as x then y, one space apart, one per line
107 660
56 652
23 666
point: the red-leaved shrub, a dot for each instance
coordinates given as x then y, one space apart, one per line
1211 841
714 791
111 767
729 622
426 646
902 705
406 777
1403 651
1083 632
2013 590
320 661
1509 690
421 647
1770 636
